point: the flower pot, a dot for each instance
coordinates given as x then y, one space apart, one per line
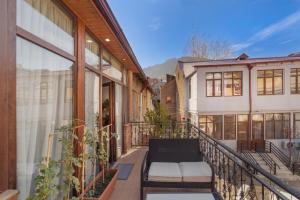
108 189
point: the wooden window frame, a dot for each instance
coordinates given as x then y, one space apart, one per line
294 127
232 83
273 81
297 81
274 124
213 86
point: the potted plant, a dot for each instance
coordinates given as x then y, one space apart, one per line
103 183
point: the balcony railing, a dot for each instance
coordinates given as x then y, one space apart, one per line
235 176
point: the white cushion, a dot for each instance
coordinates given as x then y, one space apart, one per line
195 171
164 172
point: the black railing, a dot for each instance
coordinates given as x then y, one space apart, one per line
249 157
283 157
269 161
235 176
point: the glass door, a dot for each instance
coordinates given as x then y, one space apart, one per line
118 118
258 142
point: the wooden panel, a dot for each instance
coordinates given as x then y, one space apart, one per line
94 20
8 94
79 85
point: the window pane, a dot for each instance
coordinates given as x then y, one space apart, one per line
293 85
217 132
237 87
44 103
218 88
278 72
111 66
209 76
269 73
48 21
260 86
92 52
228 87
260 74
242 127
202 119
217 75
269 85
293 72
278 85
237 74
209 88
258 117
227 74
229 127
91 112
270 129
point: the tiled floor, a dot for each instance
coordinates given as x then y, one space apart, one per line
130 189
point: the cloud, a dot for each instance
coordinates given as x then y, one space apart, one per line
266 32
155 24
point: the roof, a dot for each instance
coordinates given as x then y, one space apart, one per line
189 59
112 21
247 61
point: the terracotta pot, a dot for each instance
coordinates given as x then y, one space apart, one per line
107 191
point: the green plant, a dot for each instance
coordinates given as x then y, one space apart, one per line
69 161
158 118
45 185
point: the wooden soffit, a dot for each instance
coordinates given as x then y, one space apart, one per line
88 11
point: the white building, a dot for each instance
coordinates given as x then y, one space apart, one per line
242 101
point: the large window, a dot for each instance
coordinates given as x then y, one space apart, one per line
270 82
295 81
214 84
242 127
232 83
43 104
212 125
296 125
277 125
92 50
229 127
47 20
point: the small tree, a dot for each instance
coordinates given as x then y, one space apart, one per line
158 118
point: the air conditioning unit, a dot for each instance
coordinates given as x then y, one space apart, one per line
287 144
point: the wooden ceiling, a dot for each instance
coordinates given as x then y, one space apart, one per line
90 14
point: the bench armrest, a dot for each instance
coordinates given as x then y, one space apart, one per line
144 167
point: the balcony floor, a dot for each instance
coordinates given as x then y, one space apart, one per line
130 189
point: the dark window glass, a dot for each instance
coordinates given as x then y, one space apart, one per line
229 127
277 125
242 127
212 125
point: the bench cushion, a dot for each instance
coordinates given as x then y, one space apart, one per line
195 172
164 172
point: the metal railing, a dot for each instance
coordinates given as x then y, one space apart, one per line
270 162
283 157
235 176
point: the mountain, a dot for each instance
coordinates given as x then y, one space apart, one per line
160 70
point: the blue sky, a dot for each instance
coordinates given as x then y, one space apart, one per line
160 29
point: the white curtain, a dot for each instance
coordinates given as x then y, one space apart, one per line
48 21
44 102
118 115
91 112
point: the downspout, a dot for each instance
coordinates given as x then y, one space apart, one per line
250 107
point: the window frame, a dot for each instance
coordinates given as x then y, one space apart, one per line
274 122
232 83
235 126
297 88
213 83
213 124
273 82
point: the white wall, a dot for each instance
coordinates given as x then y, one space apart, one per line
192 102
271 103
222 104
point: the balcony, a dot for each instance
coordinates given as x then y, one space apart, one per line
236 177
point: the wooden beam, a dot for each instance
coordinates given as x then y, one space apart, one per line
8 94
79 113
130 85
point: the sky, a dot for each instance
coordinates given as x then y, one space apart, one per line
158 30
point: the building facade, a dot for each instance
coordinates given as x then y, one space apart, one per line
62 61
243 101
168 97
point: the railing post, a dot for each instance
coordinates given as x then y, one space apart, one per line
270 147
